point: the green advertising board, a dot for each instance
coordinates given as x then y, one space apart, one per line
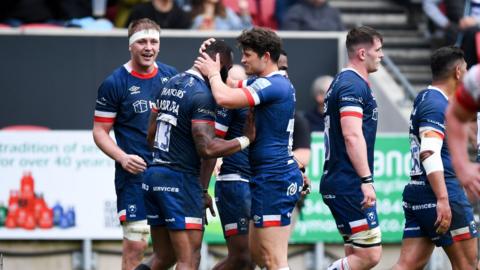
315 224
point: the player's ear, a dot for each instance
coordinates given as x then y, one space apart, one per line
266 56
362 53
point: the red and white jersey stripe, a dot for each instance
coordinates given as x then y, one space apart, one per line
359 225
428 128
122 215
193 223
461 234
105 117
252 96
272 220
220 130
231 229
351 111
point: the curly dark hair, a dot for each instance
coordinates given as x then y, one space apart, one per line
261 40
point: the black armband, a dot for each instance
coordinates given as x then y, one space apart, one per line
367 179
205 190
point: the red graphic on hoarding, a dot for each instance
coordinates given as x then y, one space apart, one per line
28 210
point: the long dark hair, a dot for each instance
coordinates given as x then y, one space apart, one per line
198 8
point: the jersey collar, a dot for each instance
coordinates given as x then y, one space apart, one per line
278 72
431 87
195 73
128 67
356 72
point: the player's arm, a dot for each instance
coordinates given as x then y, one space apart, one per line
152 128
430 156
209 146
206 170
357 153
355 144
457 118
225 96
131 163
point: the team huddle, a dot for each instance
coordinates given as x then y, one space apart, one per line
171 127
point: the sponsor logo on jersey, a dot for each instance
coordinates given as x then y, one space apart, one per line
375 114
134 90
173 92
292 189
102 101
152 216
140 106
164 79
423 206
256 219
132 208
166 189
170 219
145 187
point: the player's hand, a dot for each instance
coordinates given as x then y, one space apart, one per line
444 216
469 177
205 44
249 130
133 164
369 196
208 203
306 185
467 22
207 65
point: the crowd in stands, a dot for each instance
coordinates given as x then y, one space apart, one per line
456 22
313 15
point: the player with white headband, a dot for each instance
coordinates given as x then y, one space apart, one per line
125 101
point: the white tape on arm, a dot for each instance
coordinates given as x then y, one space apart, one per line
434 162
145 33
244 141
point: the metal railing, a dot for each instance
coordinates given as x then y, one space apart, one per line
407 87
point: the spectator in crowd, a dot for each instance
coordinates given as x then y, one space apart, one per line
16 13
213 15
261 11
460 23
315 116
123 11
312 15
165 13
281 7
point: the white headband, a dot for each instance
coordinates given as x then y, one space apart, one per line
145 33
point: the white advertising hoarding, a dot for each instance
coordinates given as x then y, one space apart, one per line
67 169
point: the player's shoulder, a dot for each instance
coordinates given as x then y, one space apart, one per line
116 79
350 79
166 70
431 97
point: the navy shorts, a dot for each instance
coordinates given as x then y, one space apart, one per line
274 197
420 219
352 220
130 204
233 200
173 199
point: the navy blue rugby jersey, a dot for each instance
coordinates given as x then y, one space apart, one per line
428 114
274 99
126 98
185 99
229 125
349 95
